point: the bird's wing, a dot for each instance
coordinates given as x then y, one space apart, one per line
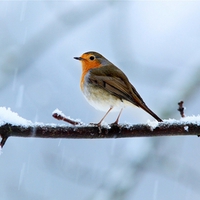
117 85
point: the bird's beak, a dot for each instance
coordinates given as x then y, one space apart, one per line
78 58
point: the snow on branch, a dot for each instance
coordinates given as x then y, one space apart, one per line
13 125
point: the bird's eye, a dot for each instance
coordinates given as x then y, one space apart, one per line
92 57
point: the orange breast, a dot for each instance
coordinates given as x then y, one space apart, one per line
86 66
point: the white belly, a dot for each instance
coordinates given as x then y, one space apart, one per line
102 100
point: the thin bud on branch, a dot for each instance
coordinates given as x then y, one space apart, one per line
181 108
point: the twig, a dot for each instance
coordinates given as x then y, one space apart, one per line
181 108
65 119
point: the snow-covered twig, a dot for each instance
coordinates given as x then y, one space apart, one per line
57 114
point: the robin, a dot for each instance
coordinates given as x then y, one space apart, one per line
106 87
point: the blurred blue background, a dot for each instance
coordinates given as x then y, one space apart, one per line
157 44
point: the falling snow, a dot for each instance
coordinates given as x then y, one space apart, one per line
155 43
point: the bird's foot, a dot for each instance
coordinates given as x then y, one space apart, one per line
116 123
96 124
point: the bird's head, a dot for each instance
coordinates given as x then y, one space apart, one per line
91 60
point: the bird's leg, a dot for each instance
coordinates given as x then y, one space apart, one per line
117 120
99 124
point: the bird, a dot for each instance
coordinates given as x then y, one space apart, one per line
107 88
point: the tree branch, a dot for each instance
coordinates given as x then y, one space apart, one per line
112 131
186 126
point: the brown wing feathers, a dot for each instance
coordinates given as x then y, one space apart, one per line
114 87
117 85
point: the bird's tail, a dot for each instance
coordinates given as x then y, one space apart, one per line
151 113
